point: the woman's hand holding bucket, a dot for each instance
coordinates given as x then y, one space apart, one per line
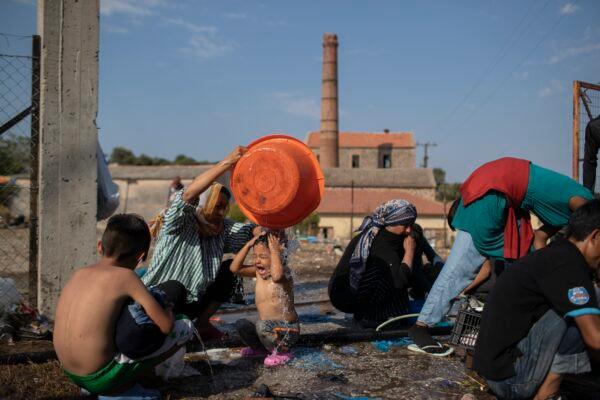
204 180
234 156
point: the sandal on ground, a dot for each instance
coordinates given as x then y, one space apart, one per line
249 352
276 359
437 349
424 343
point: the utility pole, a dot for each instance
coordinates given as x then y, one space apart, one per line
351 208
426 147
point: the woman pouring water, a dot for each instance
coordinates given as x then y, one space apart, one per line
191 243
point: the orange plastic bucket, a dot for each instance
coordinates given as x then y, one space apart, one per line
278 182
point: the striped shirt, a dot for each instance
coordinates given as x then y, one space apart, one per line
181 254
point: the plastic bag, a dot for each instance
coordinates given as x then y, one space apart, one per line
175 367
108 191
9 295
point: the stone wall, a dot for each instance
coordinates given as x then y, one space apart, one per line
425 193
339 225
370 158
146 197
141 196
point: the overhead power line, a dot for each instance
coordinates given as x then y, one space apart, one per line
513 38
493 93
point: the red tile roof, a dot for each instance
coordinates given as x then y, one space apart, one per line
367 139
338 201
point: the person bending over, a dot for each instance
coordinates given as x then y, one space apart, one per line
278 328
493 221
190 244
542 319
90 304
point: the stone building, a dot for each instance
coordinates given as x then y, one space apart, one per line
352 193
363 169
371 150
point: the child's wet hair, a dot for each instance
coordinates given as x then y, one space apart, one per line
263 239
125 236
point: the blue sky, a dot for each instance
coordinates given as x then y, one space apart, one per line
482 79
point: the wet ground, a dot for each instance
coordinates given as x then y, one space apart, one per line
339 372
359 370
335 360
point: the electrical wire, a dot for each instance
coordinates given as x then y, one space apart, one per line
502 51
493 93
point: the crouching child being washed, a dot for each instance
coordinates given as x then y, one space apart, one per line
278 328
90 306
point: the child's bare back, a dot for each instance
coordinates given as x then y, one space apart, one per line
86 316
92 300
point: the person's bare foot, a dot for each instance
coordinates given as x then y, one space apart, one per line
550 387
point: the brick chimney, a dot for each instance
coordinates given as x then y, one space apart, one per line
328 141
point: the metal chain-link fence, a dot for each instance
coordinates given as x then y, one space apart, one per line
586 106
19 124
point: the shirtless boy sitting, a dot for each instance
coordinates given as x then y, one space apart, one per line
90 304
277 329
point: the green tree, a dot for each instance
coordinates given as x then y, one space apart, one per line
309 225
235 214
123 156
144 159
440 176
445 191
182 159
14 154
14 160
161 161
448 192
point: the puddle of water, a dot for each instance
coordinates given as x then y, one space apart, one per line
313 359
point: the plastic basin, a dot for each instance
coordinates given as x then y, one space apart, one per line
278 182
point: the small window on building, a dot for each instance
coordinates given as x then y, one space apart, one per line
318 158
355 161
387 161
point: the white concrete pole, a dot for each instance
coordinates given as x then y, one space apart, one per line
68 139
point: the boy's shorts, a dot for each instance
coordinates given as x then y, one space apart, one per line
122 369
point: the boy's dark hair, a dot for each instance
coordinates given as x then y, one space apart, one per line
584 220
451 212
125 236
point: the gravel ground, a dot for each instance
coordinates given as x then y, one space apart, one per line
326 371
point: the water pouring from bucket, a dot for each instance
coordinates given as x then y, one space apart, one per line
278 182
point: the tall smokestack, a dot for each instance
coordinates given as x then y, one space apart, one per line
328 141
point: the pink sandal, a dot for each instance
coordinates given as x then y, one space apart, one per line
249 352
275 359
